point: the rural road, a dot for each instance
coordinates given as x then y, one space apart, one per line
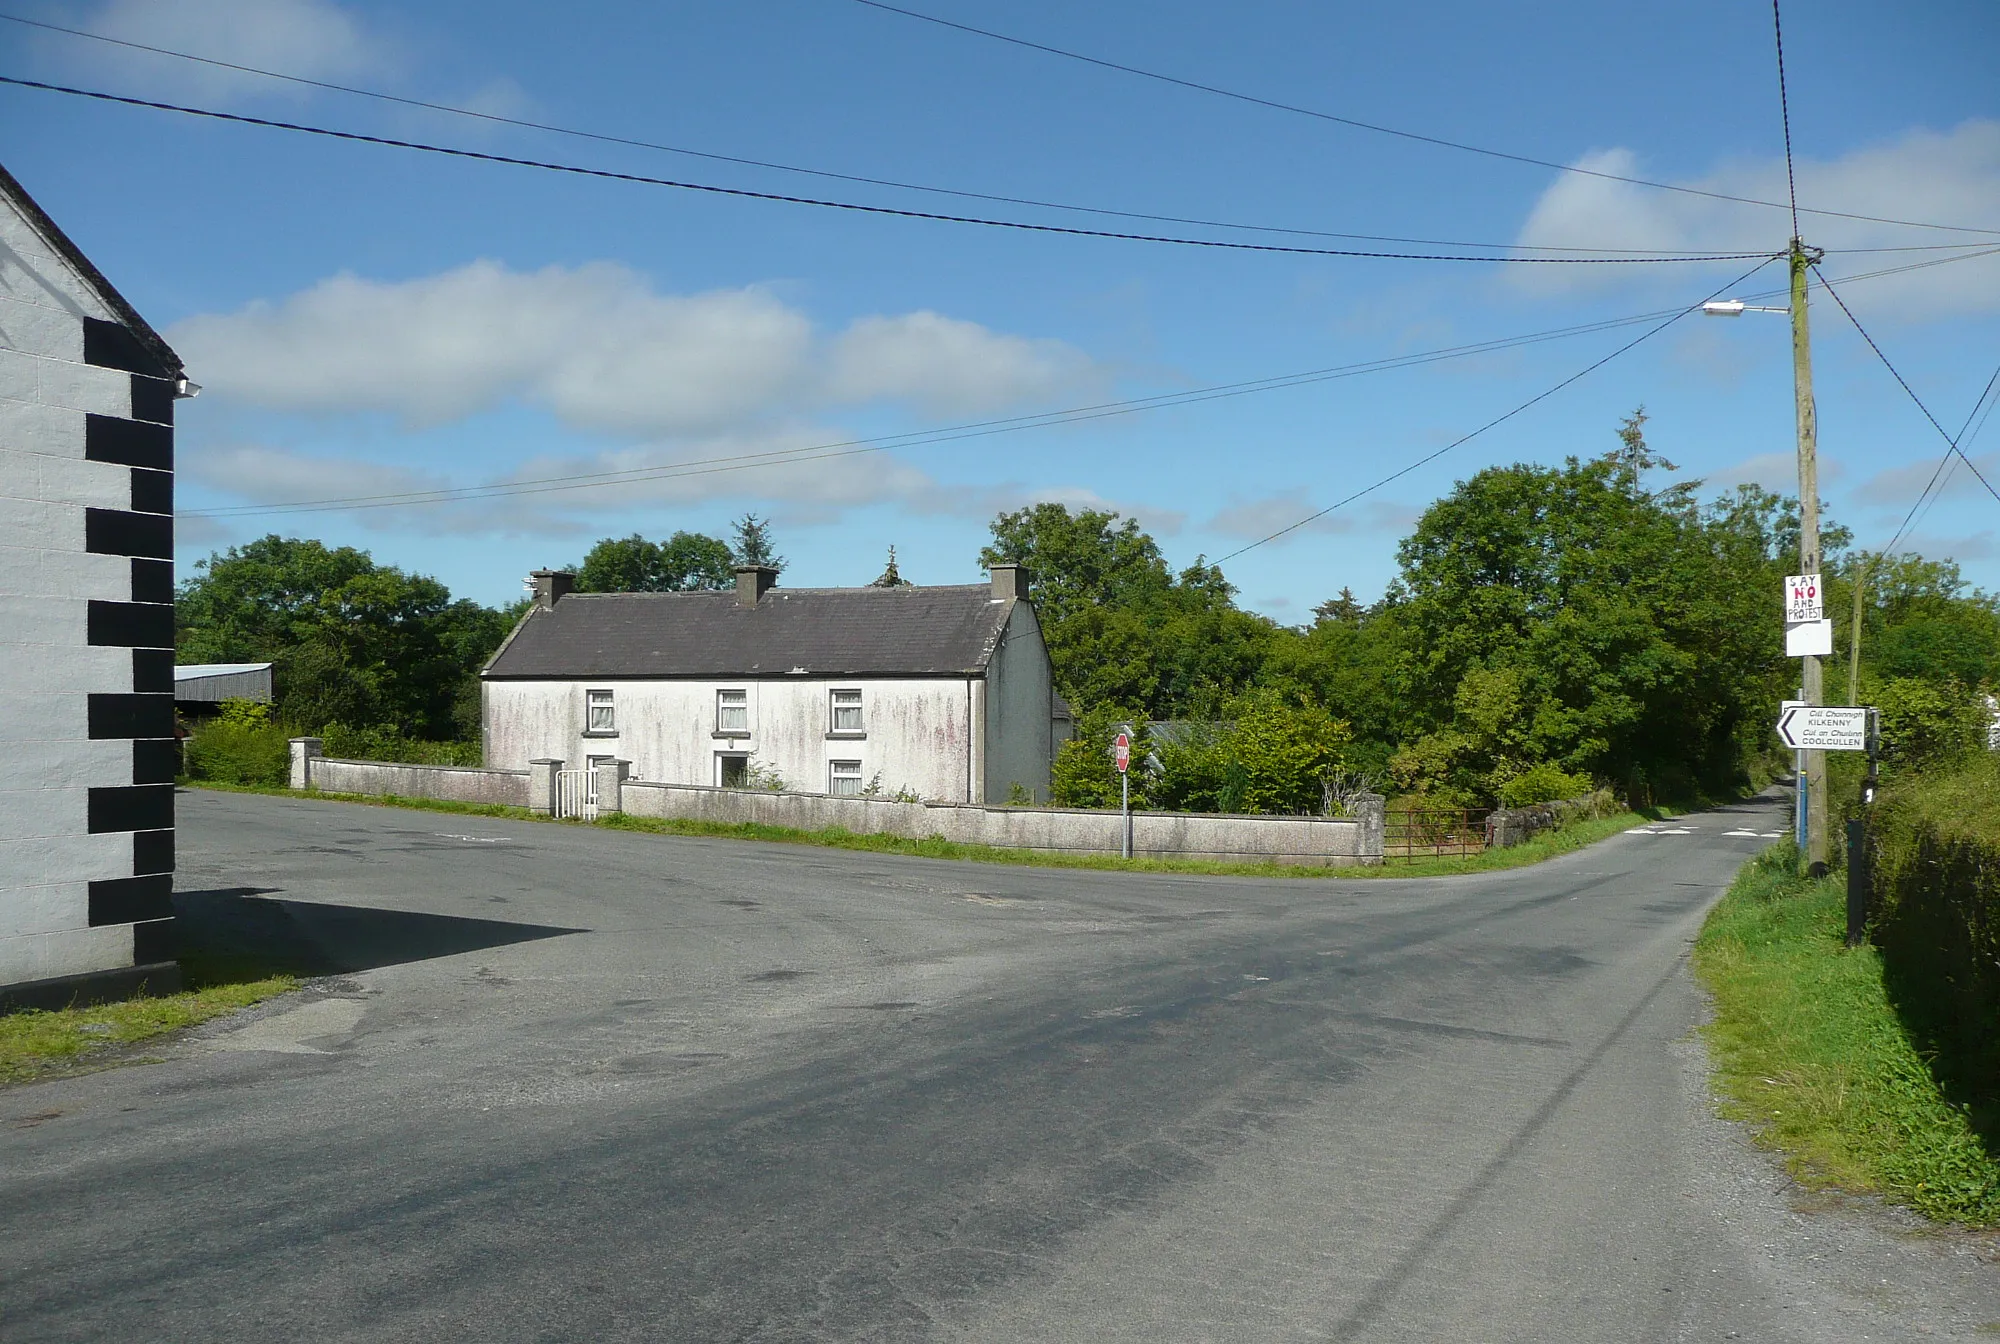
642 1088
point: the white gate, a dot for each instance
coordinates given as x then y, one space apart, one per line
576 794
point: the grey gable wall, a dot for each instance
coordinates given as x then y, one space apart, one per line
86 625
1019 697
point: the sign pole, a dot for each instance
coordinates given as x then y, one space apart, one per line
1121 754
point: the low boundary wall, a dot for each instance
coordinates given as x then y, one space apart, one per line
1320 841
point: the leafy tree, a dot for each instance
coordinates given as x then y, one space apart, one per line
352 642
1345 609
1286 751
685 561
1122 628
1085 772
753 543
1926 722
697 562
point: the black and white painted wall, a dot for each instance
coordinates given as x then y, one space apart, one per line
87 392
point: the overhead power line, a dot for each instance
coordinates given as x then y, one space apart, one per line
1946 435
854 206
1941 474
1785 114
1381 129
954 433
824 173
1497 420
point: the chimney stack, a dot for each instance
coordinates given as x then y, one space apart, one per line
1009 580
752 582
551 586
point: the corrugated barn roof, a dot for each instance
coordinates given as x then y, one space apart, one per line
898 632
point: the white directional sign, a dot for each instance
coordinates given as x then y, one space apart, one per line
1825 728
1805 600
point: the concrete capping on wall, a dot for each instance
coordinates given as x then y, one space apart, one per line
1155 835
1231 838
445 783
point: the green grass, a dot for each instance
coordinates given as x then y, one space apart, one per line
1544 846
1809 1051
35 1043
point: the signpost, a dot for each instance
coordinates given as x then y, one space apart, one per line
1824 728
1121 750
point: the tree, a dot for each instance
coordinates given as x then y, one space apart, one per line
1122 628
891 577
686 561
753 543
351 641
1345 608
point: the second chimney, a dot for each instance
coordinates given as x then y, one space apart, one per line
1009 580
752 582
552 586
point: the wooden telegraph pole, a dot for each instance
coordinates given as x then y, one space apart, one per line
1809 557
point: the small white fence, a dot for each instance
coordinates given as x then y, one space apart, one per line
576 794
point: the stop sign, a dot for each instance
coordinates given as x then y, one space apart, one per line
1121 747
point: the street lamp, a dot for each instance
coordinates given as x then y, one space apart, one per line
1813 814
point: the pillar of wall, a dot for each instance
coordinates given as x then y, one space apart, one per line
305 750
542 786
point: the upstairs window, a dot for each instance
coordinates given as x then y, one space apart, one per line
732 711
846 779
847 712
601 717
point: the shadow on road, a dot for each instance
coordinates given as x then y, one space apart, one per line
241 924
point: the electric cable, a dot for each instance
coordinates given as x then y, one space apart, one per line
1391 130
1785 112
1497 420
1941 475
1905 385
854 206
712 156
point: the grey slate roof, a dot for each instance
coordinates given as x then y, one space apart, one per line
895 632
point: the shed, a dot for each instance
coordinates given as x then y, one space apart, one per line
212 683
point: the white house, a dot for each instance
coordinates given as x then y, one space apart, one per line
942 692
87 393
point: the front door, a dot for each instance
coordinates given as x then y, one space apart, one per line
732 769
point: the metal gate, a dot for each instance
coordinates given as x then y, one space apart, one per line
576 794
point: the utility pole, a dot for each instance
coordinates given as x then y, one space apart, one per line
1809 557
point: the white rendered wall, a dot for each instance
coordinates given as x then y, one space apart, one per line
919 733
49 856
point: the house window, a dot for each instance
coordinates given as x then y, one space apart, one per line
847 713
732 711
846 779
732 772
601 719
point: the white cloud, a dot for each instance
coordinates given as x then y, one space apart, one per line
1262 517
314 39
948 366
603 351
1898 486
1946 177
793 483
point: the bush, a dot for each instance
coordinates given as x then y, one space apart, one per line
1544 783
1926 722
383 743
1936 916
239 746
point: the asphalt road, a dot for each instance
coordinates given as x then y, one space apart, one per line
581 1085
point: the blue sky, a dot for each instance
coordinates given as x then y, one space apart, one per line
368 321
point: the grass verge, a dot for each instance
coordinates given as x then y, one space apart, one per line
1810 1053
1541 847
34 1043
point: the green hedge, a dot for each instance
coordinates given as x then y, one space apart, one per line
238 753
1935 893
